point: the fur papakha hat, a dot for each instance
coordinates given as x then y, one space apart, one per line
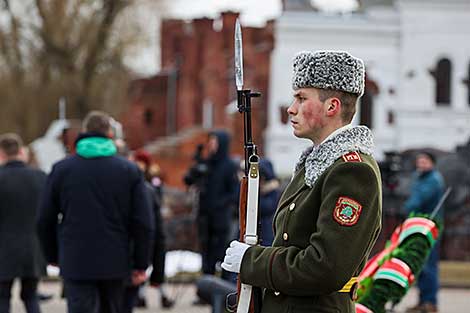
336 70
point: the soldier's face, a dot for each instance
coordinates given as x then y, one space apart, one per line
307 114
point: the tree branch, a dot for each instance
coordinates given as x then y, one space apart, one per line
111 9
10 44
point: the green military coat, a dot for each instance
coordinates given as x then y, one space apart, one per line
323 236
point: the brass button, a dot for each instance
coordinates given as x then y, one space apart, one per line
285 236
277 293
291 206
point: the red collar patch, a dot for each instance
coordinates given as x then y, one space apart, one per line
347 211
352 157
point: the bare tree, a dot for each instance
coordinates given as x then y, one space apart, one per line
55 48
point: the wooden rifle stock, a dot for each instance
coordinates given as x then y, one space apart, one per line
242 207
242 227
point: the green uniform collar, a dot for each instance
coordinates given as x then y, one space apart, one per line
94 147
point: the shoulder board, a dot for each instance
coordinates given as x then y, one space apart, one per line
352 157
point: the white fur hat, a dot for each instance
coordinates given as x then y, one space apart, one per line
336 70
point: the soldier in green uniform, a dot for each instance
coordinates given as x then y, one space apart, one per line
329 216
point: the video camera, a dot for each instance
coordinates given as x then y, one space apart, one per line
199 170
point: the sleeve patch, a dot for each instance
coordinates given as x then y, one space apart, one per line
352 157
347 211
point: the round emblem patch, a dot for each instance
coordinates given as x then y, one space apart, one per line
347 211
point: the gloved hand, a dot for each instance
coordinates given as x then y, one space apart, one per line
233 256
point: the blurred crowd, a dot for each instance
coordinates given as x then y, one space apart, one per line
97 216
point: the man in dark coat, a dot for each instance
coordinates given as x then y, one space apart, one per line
20 252
218 199
95 204
329 216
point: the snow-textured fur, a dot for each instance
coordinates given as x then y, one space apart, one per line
318 159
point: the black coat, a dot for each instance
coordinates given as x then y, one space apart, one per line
20 253
219 192
91 211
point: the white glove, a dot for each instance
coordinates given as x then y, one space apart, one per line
233 256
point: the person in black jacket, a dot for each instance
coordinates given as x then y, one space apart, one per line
20 252
95 204
218 200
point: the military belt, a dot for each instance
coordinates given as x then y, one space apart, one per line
349 285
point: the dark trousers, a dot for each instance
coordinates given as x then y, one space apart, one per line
94 296
213 245
28 295
428 280
131 294
216 291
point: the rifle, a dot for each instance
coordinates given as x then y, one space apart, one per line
248 296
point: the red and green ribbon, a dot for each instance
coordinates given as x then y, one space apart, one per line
397 271
419 225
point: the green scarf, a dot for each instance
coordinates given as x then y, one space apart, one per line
93 147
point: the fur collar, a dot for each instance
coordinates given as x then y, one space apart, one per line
317 159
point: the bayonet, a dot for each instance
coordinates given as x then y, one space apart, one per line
238 56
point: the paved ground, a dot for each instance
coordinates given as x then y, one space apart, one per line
451 300
184 294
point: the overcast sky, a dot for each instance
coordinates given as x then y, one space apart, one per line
253 12
145 60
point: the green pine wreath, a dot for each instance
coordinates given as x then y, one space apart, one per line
413 251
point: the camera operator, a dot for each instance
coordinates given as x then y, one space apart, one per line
196 174
215 177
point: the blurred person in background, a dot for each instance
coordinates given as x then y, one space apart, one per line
30 160
218 199
95 206
214 178
20 252
426 190
133 292
154 186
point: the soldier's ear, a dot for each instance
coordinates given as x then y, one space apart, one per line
333 106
